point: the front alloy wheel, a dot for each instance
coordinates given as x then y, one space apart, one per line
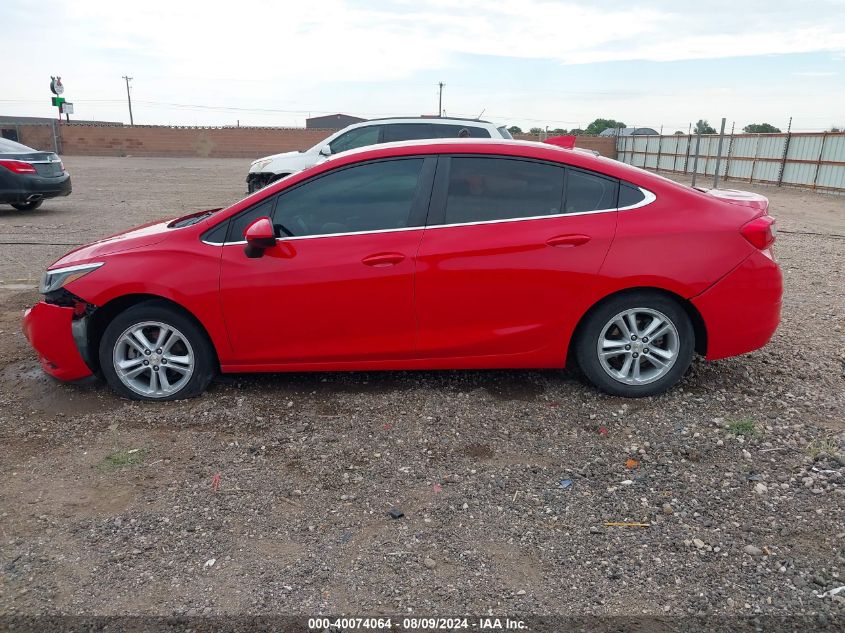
154 351
153 359
635 344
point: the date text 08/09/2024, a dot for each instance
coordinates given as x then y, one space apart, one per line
417 624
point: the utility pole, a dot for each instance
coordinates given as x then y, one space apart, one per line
440 101
129 99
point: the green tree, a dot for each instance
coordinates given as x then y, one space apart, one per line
515 129
577 131
703 127
535 130
678 133
760 128
600 125
558 131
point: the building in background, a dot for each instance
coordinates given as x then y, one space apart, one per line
332 121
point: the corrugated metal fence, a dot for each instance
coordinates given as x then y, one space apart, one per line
815 160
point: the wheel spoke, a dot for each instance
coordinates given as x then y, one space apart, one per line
162 340
626 367
636 373
656 362
131 362
631 320
178 360
178 368
662 353
134 373
623 327
165 383
655 323
153 381
139 336
660 332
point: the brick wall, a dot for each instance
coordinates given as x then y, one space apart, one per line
244 142
186 142
36 136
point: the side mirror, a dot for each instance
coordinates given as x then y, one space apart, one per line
260 236
326 150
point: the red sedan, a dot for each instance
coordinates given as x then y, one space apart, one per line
423 255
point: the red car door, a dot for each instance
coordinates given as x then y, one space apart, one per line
507 263
338 285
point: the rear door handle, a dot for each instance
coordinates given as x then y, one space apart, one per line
379 260
568 240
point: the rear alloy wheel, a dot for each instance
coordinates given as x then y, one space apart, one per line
639 344
153 352
28 206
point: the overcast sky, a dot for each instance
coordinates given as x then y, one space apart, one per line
524 62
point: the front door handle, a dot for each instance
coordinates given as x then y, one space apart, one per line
380 260
568 240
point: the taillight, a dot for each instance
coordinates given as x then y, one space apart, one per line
18 166
760 232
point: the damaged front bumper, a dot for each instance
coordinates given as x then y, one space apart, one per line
59 335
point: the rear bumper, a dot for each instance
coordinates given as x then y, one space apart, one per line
49 329
742 310
22 188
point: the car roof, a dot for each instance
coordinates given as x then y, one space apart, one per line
428 119
575 157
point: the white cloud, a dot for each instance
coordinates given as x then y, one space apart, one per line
277 55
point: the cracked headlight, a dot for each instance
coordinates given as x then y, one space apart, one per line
58 277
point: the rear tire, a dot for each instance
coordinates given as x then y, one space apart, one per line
154 352
635 345
28 206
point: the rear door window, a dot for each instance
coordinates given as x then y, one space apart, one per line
586 192
459 131
407 131
490 189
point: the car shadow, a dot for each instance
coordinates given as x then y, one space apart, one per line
501 384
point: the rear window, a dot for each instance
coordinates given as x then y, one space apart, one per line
489 189
504 132
11 147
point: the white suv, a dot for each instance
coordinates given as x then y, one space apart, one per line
270 168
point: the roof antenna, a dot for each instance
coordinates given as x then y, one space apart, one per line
478 118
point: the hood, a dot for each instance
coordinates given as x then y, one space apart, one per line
145 235
273 157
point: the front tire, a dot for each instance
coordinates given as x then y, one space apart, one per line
28 206
636 344
154 352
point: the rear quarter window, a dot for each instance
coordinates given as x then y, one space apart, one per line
629 195
587 192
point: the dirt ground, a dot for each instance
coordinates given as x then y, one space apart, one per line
107 506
